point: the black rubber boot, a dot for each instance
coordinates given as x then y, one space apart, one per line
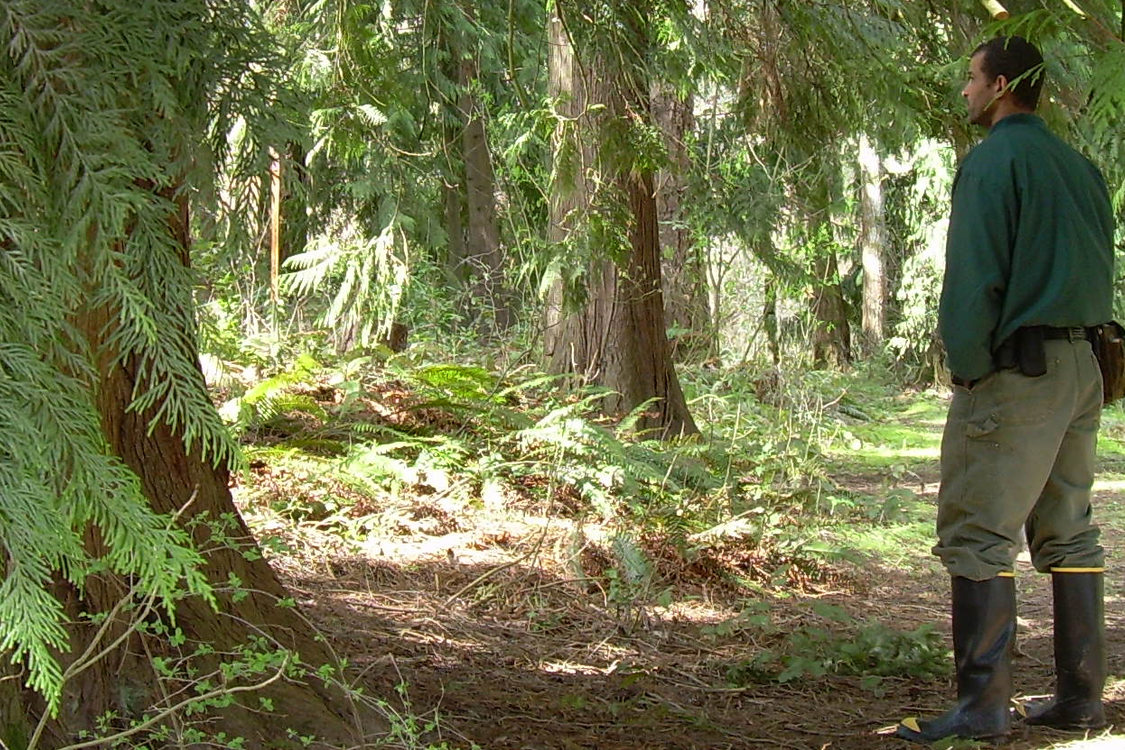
1079 654
984 627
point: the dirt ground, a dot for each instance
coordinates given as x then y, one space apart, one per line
495 643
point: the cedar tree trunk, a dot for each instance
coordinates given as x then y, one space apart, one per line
125 683
685 287
617 338
483 242
832 335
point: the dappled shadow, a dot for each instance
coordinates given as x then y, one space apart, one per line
511 656
490 631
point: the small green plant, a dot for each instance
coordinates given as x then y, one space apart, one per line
406 729
869 650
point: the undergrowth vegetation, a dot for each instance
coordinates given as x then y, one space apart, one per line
382 447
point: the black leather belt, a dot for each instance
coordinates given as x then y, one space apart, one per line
1071 333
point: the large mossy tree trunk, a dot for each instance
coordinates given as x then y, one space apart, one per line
252 619
617 337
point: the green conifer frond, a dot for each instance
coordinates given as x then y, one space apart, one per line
110 117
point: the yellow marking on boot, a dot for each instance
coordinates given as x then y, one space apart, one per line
911 723
1021 709
1006 574
1077 570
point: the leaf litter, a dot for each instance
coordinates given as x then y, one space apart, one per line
513 623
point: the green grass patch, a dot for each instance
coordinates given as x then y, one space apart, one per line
887 528
908 438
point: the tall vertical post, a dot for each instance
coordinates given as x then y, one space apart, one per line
275 225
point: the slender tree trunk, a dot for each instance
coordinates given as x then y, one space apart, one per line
483 243
275 229
873 247
294 197
685 283
456 265
832 334
831 339
475 257
453 190
617 339
769 318
569 196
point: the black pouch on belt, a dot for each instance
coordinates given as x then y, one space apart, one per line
1030 357
1004 358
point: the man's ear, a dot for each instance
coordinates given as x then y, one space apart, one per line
1002 80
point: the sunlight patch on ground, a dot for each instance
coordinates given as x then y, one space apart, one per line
1109 485
571 668
1104 742
493 541
689 610
884 451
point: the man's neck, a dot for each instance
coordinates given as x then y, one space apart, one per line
1006 107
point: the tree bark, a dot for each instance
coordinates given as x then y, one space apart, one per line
568 196
295 197
475 255
483 243
769 318
453 189
456 267
174 476
171 475
685 285
15 724
617 337
873 247
832 334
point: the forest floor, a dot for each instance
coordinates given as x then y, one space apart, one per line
497 625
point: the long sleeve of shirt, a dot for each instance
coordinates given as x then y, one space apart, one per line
977 264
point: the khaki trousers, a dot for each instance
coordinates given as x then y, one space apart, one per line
1019 452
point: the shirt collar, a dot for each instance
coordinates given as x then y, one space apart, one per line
1019 118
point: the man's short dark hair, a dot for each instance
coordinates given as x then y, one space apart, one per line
1019 61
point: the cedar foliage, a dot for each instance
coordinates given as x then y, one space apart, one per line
110 114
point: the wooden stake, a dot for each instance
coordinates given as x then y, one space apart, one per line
996 9
1074 6
275 224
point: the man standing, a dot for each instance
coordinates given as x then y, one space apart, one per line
1029 268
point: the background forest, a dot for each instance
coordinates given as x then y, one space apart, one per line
279 267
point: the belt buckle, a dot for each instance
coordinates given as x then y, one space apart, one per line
1075 333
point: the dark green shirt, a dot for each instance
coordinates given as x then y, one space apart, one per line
1030 243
